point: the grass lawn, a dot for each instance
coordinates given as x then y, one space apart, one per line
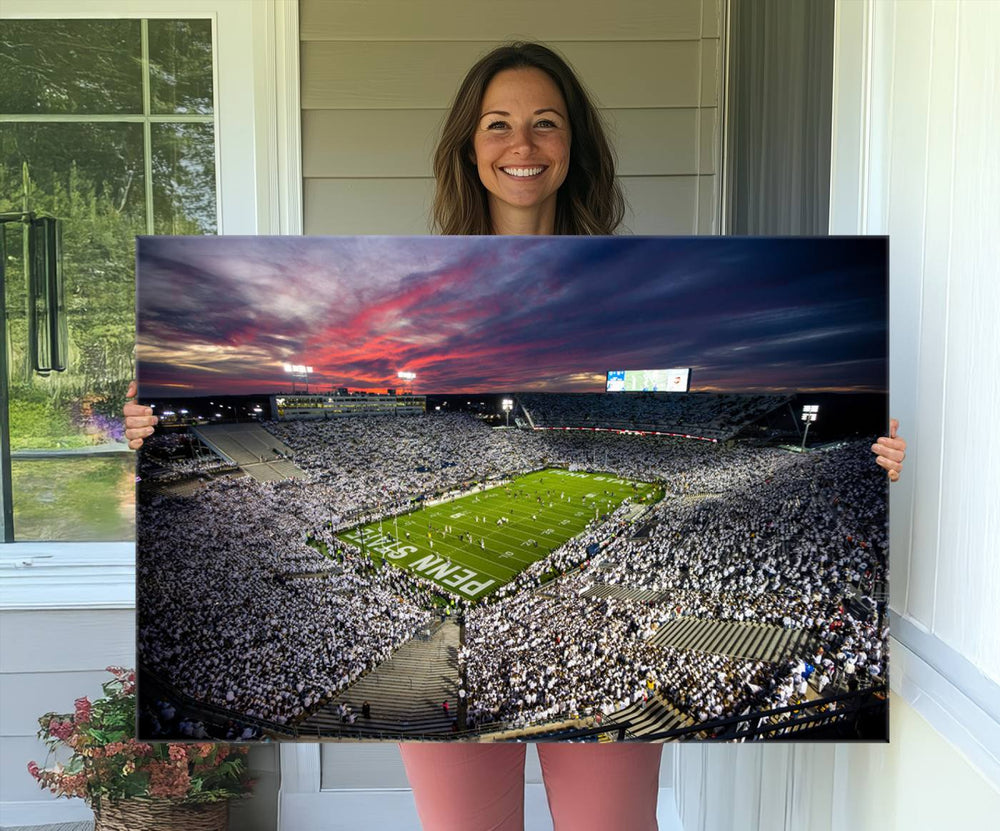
476 543
77 499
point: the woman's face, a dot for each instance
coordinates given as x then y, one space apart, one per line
522 142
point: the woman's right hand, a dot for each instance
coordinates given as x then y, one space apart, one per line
139 420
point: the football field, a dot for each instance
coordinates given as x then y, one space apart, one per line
474 544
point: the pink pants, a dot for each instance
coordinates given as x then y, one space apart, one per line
480 787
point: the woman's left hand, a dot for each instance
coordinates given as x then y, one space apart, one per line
891 450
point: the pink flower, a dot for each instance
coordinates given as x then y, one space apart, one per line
62 730
168 779
177 753
139 748
82 710
200 751
34 770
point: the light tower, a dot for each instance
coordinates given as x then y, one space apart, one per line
299 371
810 412
508 405
407 379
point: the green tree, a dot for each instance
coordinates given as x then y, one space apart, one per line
92 176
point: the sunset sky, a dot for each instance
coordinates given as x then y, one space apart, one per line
222 315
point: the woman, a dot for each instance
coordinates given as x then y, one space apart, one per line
523 152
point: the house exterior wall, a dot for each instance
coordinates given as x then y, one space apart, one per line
915 157
378 77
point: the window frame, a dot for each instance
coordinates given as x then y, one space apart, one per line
258 190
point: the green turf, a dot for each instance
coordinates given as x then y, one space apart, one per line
542 510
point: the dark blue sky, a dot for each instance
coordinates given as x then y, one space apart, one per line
224 314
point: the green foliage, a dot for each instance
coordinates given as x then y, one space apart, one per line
70 66
36 422
92 176
75 498
107 762
98 257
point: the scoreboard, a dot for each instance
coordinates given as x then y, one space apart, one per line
649 380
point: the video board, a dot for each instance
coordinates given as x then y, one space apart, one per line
648 380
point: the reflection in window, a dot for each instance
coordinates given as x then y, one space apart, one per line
183 179
180 66
71 66
109 126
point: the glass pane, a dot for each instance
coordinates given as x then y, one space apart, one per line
75 499
91 177
184 179
180 66
72 480
70 66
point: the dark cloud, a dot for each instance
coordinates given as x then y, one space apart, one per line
222 314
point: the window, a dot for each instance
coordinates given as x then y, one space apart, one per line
108 125
256 158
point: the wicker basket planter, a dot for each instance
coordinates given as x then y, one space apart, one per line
161 815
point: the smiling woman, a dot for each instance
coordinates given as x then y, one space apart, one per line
523 151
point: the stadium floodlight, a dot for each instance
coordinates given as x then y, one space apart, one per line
810 412
508 405
407 378
300 371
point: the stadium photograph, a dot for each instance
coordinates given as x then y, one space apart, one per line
512 489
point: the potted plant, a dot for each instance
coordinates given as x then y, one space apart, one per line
133 785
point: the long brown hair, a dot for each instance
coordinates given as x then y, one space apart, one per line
589 201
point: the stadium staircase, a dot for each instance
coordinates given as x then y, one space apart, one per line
405 692
254 449
657 716
735 639
601 590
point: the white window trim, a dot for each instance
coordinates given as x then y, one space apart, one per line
61 575
952 694
256 98
260 192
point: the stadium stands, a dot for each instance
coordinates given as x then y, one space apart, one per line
732 598
710 415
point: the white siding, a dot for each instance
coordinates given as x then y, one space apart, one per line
397 20
48 659
377 78
934 188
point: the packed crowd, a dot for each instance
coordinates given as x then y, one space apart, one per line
715 415
752 535
239 609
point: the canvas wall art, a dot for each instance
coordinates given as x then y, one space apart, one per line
512 488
